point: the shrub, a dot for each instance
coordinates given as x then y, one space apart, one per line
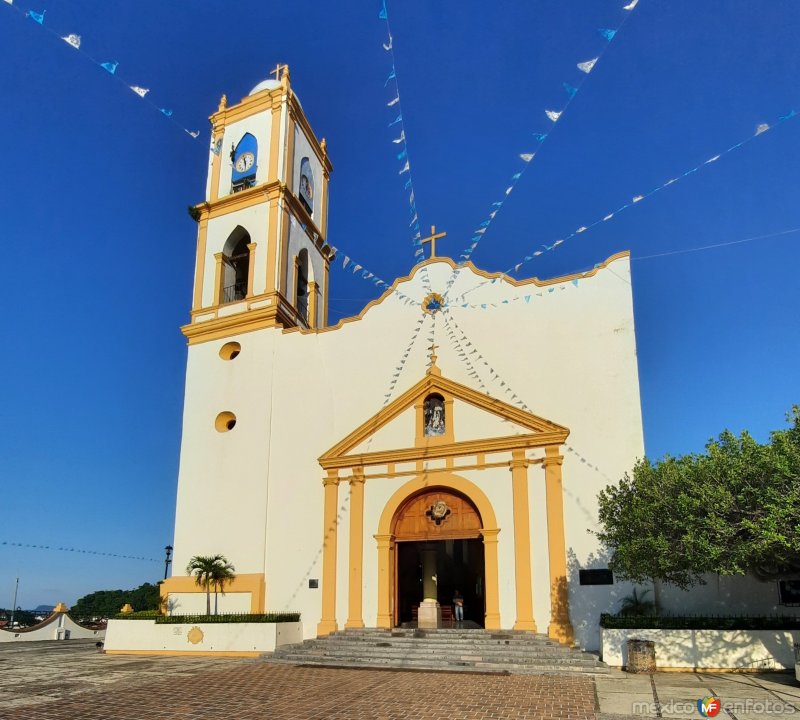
699 622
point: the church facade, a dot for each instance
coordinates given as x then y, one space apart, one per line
450 440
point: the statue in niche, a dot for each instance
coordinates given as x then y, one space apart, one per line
433 415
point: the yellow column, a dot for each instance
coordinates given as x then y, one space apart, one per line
325 296
328 624
355 615
200 265
560 627
218 274
251 267
522 542
313 301
385 618
215 164
492 578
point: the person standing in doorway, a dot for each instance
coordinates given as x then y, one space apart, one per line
458 603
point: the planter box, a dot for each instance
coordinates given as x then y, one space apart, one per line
706 649
144 637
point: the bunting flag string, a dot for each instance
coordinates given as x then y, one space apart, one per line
400 140
540 137
506 387
6 543
110 66
761 129
360 271
402 156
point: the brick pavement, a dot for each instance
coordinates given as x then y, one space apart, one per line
254 690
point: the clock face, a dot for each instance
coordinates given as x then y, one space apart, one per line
244 162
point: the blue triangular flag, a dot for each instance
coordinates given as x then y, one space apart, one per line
110 66
382 14
606 33
571 91
36 17
398 119
392 76
540 136
166 112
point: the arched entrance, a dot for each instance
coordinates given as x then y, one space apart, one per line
444 528
439 551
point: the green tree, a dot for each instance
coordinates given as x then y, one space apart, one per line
210 570
731 510
106 603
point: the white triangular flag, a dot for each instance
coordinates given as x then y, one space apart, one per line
508 190
552 114
71 39
763 127
140 91
587 66
714 159
609 216
581 229
527 157
632 4
638 198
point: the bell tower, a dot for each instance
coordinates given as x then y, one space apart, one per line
262 256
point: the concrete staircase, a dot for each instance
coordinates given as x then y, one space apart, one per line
450 650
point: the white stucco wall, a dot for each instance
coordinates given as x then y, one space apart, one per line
130 636
568 354
61 628
707 649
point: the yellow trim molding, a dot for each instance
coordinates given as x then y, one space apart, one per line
482 273
544 432
330 532
522 542
195 653
253 583
560 627
490 531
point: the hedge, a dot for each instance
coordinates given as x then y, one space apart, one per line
699 622
271 617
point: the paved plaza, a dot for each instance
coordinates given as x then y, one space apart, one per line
72 681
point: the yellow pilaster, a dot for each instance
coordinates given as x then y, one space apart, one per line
313 302
328 624
215 165
218 258
492 578
272 246
560 627
251 267
354 601
275 140
200 264
522 542
325 296
385 618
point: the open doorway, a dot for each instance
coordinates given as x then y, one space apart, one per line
459 566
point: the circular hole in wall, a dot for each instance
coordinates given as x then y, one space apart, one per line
230 350
225 421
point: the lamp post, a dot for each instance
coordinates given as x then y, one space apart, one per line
167 560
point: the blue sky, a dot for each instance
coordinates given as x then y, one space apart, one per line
100 249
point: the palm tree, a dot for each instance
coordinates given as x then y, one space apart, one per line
222 575
207 569
635 604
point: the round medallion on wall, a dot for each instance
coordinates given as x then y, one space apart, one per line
432 303
195 635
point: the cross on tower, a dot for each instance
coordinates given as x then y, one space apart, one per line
277 71
432 239
434 356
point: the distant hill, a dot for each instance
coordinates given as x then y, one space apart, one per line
43 609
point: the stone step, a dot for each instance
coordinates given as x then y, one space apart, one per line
450 651
450 660
455 666
441 649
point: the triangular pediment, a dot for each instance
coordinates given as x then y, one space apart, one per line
476 419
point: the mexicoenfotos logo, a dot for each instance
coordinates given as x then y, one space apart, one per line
709 706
